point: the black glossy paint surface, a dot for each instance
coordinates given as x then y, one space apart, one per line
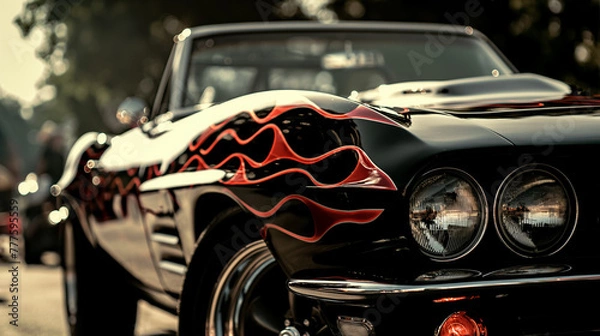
326 181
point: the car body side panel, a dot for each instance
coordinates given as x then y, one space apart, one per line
126 226
291 141
487 147
324 180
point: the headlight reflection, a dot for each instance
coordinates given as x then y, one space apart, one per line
448 214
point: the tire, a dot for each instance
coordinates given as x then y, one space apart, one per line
33 256
37 239
246 294
98 299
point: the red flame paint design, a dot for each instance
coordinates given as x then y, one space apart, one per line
360 112
324 218
124 189
152 171
366 173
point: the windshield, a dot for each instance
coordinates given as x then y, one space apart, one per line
225 67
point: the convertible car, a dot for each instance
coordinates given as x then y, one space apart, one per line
350 179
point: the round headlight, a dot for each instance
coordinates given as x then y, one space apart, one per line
448 214
535 210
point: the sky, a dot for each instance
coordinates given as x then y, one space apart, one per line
20 69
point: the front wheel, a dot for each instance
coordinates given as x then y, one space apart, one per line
250 296
245 296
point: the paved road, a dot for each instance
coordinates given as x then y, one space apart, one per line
40 305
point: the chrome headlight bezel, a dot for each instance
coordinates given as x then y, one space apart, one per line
480 198
571 216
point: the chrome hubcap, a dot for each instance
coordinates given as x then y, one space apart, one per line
245 300
289 331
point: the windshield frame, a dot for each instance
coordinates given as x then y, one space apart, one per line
184 47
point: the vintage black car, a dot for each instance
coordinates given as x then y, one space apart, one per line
348 179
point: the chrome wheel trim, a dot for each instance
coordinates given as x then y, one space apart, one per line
233 288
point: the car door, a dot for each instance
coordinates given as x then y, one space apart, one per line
131 225
118 222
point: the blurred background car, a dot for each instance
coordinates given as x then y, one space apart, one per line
39 232
9 174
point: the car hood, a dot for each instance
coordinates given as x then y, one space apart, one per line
536 126
466 93
572 125
522 109
428 135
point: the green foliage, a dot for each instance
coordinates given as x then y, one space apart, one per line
112 49
17 152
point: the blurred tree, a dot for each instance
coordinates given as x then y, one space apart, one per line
556 38
9 151
102 51
17 151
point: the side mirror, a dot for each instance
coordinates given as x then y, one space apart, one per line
133 111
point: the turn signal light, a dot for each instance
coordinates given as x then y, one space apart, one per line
461 324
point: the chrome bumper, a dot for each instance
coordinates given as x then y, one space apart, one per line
336 290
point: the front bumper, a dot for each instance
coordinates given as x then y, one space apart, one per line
338 291
549 305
